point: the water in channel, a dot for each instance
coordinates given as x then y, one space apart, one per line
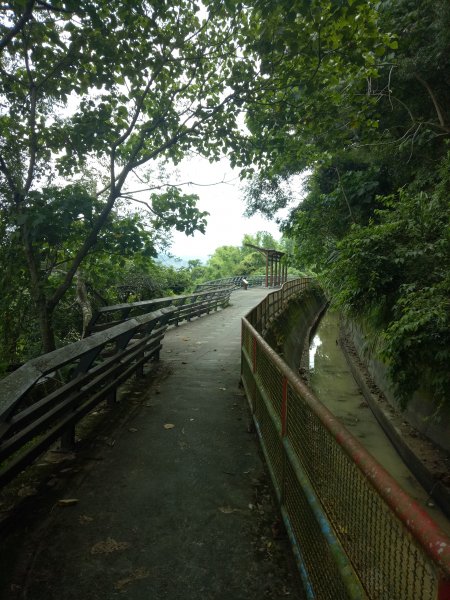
332 382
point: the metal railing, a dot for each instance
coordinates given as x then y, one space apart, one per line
274 304
43 400
355 532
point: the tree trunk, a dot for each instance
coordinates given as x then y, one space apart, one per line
43 309
45 325
83 301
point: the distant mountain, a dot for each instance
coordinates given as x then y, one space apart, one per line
178 261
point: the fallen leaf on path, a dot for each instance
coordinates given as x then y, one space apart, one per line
227 510
57 456
134 576
68 501
169 425
343 529
107 546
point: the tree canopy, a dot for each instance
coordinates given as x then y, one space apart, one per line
96 97
229 261
106 87
373 126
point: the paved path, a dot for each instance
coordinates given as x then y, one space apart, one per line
176 502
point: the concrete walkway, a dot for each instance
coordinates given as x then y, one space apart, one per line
176 502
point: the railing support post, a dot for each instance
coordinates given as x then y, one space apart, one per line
284 408
67 440
140 370
111 398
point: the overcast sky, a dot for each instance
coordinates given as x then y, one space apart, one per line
226 223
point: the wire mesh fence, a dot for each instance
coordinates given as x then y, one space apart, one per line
356 533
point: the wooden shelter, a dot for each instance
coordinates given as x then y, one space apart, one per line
276 268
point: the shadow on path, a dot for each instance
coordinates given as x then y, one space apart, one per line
175 503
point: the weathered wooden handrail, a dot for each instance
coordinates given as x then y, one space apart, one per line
233 282
44 399
236 282
187 306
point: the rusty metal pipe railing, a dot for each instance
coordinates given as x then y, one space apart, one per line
327 481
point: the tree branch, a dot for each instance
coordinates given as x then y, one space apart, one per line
437 108
27 14
9 178
31 123
88 243
345 195
138 110
176 185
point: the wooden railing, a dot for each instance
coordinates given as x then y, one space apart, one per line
45 398
187 306
233 282
236 282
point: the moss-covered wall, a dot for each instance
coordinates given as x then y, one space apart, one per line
289 333
421 411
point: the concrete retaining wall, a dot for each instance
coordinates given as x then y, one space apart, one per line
421 412
289 333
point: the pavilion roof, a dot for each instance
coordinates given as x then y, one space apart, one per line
269 252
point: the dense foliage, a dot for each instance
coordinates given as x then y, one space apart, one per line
121 268
374 222
96 96
228 261
95 90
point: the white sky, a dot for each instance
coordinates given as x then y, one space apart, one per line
226 223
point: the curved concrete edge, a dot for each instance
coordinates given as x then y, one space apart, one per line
304 362
290 341
435 489
389 419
